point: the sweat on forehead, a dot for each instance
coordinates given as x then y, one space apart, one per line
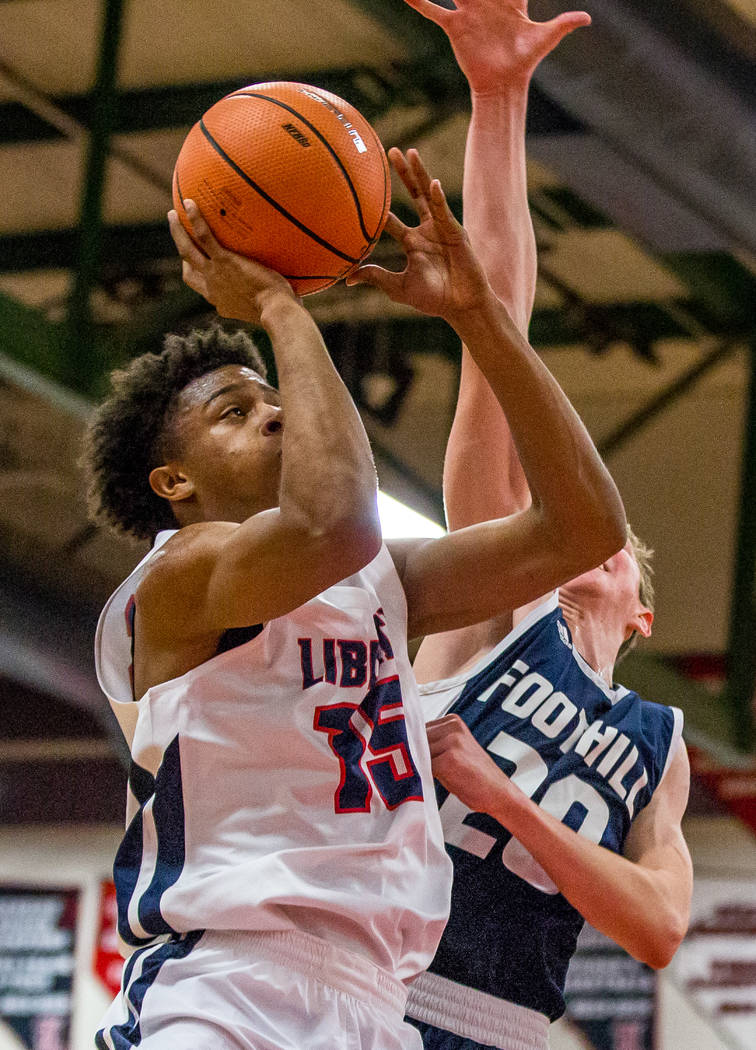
201 391
206 386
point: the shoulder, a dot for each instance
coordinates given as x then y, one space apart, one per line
175 579
189 547
656 729
663 724
660 722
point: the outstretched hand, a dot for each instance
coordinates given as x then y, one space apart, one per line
236 286
442 275
495 42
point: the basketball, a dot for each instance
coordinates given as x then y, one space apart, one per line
290 175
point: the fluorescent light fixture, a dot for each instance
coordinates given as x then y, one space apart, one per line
398 520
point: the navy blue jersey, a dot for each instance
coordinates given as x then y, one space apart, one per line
590 755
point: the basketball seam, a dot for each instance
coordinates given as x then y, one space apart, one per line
178 189
326 143
273 203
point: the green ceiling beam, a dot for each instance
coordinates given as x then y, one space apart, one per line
658 404
695 33
122 247
82 357
29 338
180 105
724 288
372 91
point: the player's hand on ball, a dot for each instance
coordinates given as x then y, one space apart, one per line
236 286
463 766
442 275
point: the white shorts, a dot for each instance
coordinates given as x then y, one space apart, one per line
255 991
475 1017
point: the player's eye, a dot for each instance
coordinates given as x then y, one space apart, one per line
233 411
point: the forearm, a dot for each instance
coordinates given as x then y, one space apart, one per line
638 907
327 474
498 222
495 197
578 502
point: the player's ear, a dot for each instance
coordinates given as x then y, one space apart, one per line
171 482
642 621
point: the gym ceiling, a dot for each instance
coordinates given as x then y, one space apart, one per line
642 167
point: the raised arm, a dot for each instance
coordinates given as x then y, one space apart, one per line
641 900
497 47
576 519
217 575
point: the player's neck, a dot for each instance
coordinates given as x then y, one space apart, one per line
595 635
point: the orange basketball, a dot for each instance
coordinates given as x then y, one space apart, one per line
290 175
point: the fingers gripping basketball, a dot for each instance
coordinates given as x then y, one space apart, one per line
290 175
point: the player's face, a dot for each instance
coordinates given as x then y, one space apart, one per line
611 588
230 429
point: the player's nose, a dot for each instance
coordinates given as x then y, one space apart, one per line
272 421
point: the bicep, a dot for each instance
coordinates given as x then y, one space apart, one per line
656 839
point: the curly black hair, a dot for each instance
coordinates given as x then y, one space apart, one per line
124 439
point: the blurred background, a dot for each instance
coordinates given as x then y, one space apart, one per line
642 167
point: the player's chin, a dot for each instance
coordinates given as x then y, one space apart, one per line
587 584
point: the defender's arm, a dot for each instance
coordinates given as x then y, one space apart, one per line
641 900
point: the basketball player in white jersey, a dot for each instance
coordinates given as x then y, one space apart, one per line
535 710
283 873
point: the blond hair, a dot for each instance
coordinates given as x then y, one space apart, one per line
643 555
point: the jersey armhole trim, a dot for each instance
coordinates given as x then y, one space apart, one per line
675 741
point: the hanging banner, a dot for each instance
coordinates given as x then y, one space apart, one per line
735 788
716 963
108 961
610 996
37 935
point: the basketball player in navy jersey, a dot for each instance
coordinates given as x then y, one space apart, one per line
283 872
561 793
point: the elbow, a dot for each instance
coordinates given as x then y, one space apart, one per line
607 532
615 524
611 535
350 542
663 942
595 541
608 526
341 530
658 956
587 530
360 545
351 526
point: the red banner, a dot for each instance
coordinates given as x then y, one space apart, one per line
108 961
735 788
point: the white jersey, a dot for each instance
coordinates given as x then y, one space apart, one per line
285 783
